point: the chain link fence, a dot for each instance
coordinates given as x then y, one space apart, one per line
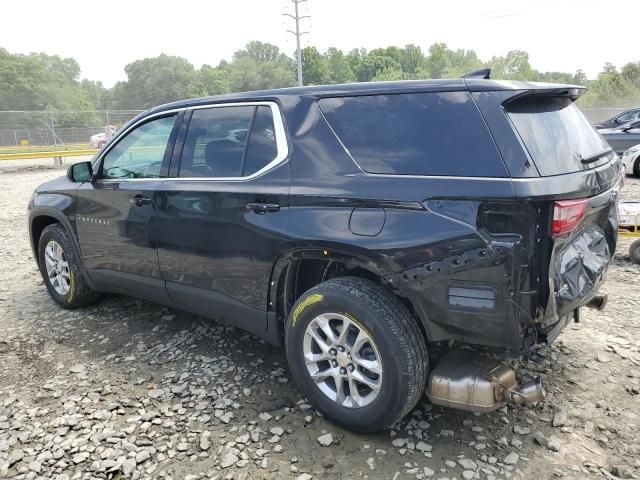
31 131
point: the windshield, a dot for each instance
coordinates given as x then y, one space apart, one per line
556 134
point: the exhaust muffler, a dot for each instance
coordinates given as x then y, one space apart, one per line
470 381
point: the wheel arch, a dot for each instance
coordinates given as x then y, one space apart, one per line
43 217
297 271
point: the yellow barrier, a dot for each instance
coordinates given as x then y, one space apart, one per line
51 154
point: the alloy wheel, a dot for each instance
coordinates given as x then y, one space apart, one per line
57 268
343 360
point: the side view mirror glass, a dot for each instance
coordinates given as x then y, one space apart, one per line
80 172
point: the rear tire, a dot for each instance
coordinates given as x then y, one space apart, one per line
634 252
636 167
380 335
66 283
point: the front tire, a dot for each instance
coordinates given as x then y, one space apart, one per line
357 353
60 269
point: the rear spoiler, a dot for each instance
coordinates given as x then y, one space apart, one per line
570 92
522 89
566 91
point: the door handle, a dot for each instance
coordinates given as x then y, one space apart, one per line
139 200
260 207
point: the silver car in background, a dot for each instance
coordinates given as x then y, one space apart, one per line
622 138
631 160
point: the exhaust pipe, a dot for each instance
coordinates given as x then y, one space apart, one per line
528 392
598 302
470 381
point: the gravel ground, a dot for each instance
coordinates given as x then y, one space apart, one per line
128 389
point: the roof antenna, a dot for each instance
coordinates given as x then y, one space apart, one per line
483 73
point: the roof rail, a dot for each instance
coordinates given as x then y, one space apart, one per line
484 73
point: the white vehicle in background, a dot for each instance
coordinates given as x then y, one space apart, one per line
99 140
631 160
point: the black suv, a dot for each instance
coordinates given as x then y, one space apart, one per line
373 229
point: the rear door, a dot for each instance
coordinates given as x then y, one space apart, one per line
222 213
114 213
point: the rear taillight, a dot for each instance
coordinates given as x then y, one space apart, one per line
567 214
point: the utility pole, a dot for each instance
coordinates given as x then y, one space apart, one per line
297 17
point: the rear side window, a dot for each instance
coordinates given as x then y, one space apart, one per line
556 134
439 133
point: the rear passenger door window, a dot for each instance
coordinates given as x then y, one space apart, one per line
228 142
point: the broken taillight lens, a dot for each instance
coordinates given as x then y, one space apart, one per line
567 214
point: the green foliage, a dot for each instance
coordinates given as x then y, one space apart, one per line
155 80
209 81
373 64
388 74
462 61
631 73
437 62
339 67
261 52
514 66
315 67
38 81
259 66
611 89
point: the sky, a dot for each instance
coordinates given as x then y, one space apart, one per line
104 36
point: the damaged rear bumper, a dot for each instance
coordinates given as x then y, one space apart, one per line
515 288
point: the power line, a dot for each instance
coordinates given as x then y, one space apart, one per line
297 17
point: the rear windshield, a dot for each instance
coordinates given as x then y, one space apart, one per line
439 133
556 134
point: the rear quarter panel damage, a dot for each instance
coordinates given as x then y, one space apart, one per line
492 270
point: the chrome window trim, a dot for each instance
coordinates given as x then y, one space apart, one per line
282 145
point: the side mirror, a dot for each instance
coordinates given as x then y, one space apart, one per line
80 172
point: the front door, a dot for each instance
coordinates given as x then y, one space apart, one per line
114 213
221 218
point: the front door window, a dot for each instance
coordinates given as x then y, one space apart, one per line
139 153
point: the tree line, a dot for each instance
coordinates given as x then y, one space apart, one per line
39 81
